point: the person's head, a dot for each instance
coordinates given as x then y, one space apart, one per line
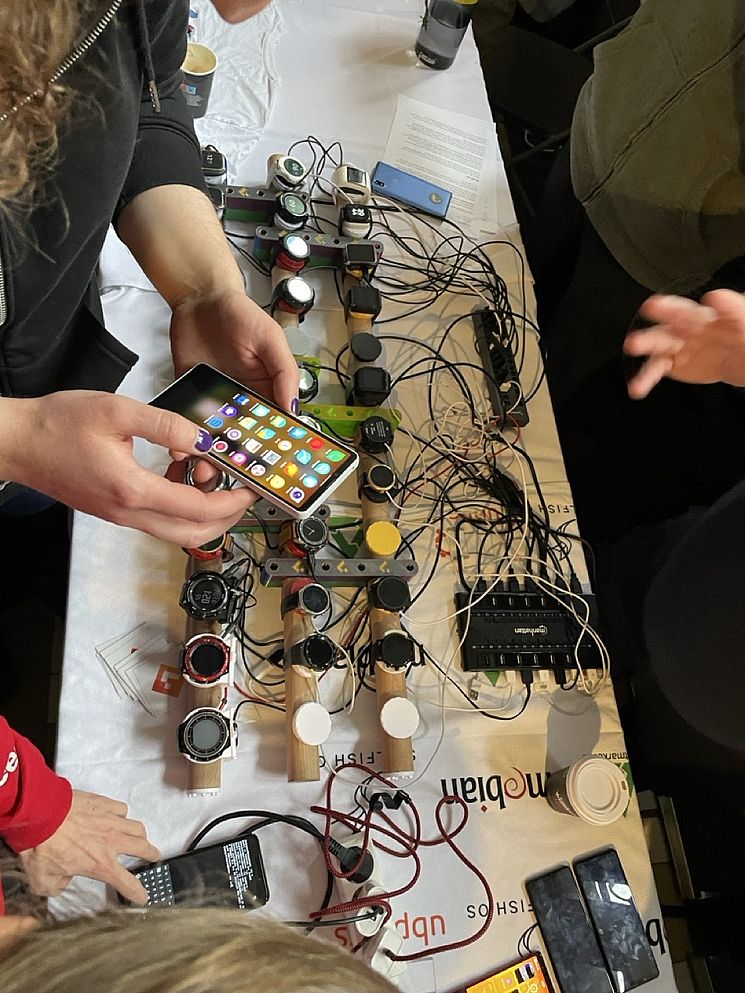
179 951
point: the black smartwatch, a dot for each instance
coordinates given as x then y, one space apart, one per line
390 593
378 482
209 596
308 386
370 386
206 735
394 649
293 295
312 599
316 652
374 435
205 660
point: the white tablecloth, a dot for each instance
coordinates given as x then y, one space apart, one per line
334 68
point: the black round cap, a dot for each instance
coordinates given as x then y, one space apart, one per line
391 593
365 346
375 434
396 649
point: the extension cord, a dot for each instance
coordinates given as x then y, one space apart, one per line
378 950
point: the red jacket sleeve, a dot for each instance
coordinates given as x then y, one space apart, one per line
33 800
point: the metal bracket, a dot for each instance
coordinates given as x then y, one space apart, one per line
336 572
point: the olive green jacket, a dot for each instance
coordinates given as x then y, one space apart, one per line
658 142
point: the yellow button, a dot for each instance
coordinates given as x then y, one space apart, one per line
383 538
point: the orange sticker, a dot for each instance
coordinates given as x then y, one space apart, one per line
168 681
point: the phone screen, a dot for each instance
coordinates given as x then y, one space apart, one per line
619 927
273 451
570 940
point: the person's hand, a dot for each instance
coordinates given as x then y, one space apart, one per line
227 330
691 342
76 446
87 843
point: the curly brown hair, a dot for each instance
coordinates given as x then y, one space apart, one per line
35 38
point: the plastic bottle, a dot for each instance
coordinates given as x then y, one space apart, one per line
443 27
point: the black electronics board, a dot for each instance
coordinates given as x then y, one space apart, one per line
503 380
524 630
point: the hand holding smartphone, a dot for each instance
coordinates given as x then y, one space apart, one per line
270 450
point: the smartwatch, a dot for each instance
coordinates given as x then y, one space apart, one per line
284 172
205 660
316 652
370 387
299 537
311 598
219 548
222 481
355 220
394 649
308 386
378 482
292 252
293 295
390 593
206 735
374 435
290 213
209 596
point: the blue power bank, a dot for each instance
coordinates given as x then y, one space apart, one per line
411 190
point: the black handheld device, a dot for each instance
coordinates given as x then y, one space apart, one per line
620 930
570 940
228 874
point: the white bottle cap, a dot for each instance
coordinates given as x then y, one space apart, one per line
597 790
399 717
311 723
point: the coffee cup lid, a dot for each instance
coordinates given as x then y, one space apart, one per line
597 789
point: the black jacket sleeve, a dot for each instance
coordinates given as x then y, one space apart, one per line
167 149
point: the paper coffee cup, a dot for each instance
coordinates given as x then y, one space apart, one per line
592 788
199 71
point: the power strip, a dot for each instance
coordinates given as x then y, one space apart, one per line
503 380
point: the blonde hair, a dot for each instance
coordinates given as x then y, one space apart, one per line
180 951
35 38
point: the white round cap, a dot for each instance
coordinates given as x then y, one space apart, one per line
598 790
399 717
311 723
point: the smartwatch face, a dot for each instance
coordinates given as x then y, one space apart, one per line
206 736
206 593
314 599
269 449
206 660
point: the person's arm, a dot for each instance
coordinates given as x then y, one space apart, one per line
59 832
691 342
170 226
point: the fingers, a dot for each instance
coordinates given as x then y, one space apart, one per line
282 368
125 883
727 304
163 427
180 532
147 491
653 370
656 341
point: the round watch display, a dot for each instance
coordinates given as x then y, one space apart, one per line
205 735
205 595
205 659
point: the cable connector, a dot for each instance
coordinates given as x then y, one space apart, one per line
526 675
391 801
348 857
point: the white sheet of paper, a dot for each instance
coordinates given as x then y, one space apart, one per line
453 150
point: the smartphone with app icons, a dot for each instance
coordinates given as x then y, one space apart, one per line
290 464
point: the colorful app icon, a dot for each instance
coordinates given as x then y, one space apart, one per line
296 494
334 455
214 421
238 458
276 482
298 433
316 443
260 409
277 421
302 456
265 433
310 481
233 434
284 445
322 468
220 446
252 445
241 399
229 410
291 470
247 422
271 458
257 469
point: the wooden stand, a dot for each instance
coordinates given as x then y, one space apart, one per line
301 686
